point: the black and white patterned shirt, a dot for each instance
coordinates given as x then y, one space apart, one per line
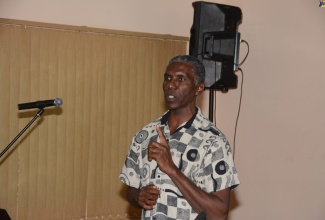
200 151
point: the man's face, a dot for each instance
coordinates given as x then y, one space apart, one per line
179 87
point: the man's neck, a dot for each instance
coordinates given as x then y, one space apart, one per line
177 118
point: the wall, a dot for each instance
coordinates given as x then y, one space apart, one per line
279 147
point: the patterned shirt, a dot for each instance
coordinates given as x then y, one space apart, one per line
200 151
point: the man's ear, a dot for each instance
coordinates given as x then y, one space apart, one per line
200 88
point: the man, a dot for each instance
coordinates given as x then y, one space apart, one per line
181 164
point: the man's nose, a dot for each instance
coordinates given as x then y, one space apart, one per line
173 84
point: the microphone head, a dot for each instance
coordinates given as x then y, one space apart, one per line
58 102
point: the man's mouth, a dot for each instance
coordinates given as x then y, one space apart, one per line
170 97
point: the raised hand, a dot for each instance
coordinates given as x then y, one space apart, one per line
160 152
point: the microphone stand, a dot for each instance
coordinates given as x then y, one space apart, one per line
38 114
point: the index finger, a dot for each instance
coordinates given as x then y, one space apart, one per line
161 135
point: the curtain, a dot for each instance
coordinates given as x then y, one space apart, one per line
66 164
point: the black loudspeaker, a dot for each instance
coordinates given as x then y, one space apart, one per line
4 215
215 41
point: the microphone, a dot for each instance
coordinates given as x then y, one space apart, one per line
41 104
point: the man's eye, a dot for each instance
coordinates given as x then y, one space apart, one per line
167 78
181 79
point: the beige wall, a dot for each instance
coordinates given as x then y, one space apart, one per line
280 152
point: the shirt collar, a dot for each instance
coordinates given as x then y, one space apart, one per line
188 124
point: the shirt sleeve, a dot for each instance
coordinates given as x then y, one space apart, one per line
130 174
220 171
136 169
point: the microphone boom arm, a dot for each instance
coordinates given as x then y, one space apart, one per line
38 114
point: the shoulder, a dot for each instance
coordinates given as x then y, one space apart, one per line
204 124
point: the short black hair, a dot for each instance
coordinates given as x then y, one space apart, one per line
197 65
